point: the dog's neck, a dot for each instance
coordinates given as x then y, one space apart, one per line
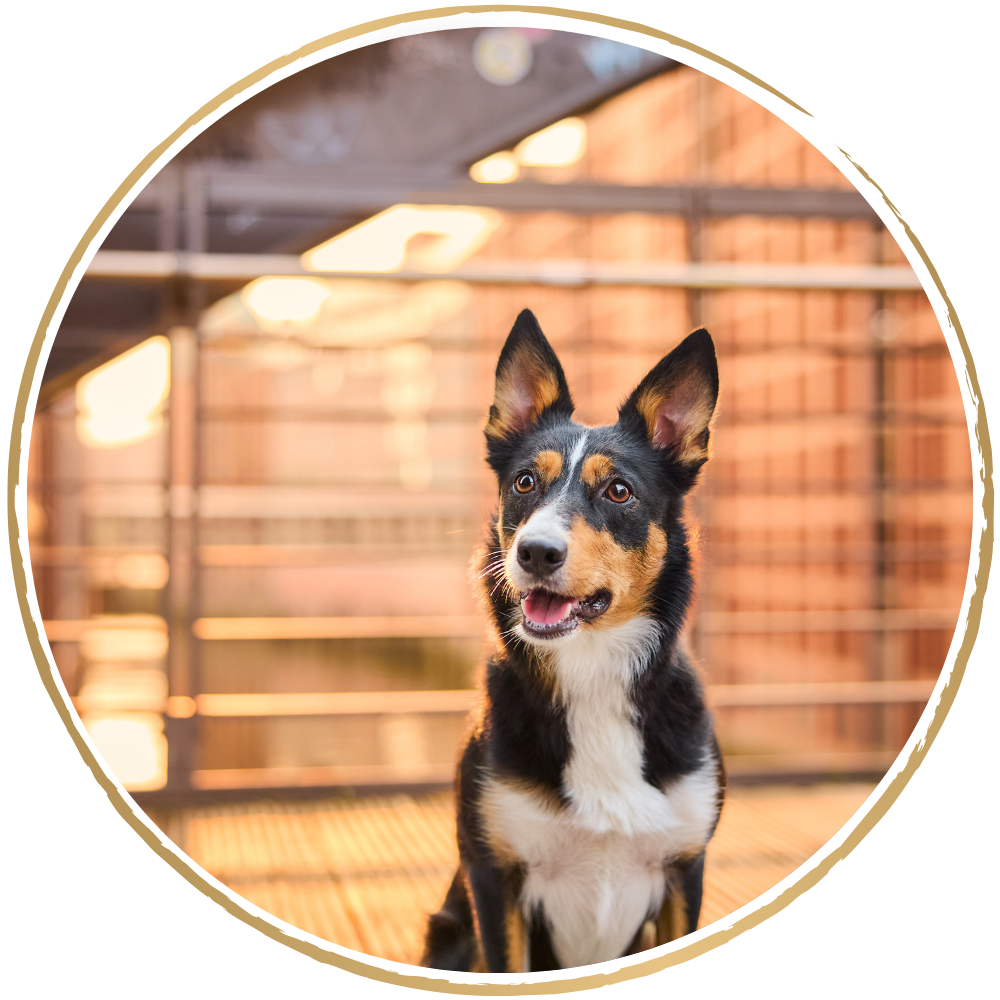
590 663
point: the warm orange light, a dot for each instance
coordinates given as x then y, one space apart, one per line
134 746
122 401
559 145
294 301
500 168
381 244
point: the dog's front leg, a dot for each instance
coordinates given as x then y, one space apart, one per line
682 906
502 929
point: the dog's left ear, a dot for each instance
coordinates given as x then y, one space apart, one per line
673 405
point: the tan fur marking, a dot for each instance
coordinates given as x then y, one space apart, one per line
523 390
482 585
501 533
517 938
647 938
672 920
595 468
549 465
596 560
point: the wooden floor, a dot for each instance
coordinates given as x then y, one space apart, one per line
365 873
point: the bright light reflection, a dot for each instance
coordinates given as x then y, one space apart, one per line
134 747
500 168
360 312
559 145
381 244
114 644
122 401
285 300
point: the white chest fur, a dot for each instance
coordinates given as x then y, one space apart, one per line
597 866
596 888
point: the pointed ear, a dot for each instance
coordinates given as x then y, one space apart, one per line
529 382
673 405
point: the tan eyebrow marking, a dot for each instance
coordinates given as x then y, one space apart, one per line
549 465
595 468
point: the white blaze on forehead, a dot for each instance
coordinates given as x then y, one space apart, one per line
552 518
576 457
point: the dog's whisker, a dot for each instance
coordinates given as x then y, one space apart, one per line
489 569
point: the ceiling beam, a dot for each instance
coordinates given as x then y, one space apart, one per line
566 273
301 190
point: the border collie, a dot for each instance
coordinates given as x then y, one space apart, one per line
591 780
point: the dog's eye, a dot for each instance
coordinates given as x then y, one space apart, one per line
618 492
524 483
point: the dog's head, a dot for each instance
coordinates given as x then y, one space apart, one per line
585 512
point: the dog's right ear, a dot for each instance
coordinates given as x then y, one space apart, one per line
529 383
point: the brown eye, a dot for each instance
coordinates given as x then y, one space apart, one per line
618 492
524 483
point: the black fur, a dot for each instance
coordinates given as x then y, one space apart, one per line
521 735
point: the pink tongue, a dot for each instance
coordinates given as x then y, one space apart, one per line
544 608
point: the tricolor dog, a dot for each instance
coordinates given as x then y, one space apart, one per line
591 780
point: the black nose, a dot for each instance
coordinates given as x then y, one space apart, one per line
541 557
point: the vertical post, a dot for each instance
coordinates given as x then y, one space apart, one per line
699 506
694 214
880 332
181 498
190 294
694 222
699 502
168 220
70 597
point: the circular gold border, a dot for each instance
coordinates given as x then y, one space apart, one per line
126 808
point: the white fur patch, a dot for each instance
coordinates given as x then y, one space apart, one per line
597 866
549 520
603 778
596 889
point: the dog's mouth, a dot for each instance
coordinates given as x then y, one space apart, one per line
547 615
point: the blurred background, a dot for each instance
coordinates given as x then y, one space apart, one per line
256 470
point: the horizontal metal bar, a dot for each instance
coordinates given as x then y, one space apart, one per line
263 554
834 762
819 693
469 626
737 765
340 774
732 418
853 620
75 630
361 627
561 273
308 191
336 703
232 555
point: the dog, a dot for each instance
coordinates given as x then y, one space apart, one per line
591 780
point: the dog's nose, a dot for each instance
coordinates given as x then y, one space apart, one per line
540 556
